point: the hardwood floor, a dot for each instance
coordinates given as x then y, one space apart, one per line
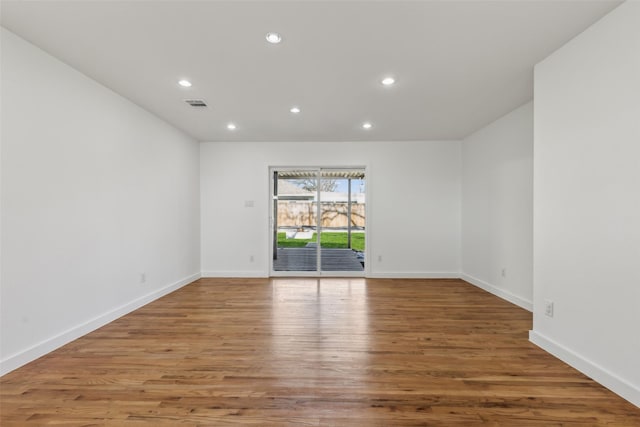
307 352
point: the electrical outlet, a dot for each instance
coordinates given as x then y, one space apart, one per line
251 259
379 258
548 308
504 272
143 277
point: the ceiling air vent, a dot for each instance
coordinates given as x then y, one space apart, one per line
196 102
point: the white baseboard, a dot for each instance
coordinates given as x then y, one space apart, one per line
239 274
506 295
378 275
599 374
413 275
40 349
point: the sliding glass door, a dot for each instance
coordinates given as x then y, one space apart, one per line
294 220
318 221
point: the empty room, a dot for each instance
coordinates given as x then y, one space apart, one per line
320 213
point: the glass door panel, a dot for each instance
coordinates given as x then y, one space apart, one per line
295 246
341 226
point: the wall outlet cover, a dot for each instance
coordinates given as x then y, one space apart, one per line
548 308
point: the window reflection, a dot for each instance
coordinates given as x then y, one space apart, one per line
320 329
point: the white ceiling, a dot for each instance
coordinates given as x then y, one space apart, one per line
459 64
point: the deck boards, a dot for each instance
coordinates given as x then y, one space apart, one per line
311 352
305 259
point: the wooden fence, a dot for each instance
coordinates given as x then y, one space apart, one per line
334 214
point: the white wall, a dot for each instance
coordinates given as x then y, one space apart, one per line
419 240
95 191
497 207
587 201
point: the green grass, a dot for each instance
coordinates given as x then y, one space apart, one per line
327 240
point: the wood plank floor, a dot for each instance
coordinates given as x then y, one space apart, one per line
307 352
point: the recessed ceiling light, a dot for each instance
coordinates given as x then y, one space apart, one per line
388 81
295 110
274 38
231 126
184 83
367 125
